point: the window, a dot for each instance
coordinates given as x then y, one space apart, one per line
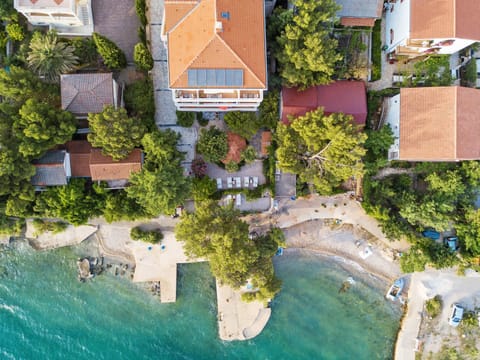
391 36
215 77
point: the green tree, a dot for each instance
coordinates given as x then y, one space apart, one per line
249 154
244 123
139 102
18 85
268 110
115 132
231 166
218 235
142 57
160 186
468 231
39 127
185 118
322 150
49 57
377 144
306 50
85 50
203 188
112 55
212 144
148 236
15 31
7 11
118 206
73 202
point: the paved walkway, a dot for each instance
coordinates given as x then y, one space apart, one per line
387 69
118 21
165 115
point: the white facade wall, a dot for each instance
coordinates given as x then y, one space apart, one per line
398 21
392 118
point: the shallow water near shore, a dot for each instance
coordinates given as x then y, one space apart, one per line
45 313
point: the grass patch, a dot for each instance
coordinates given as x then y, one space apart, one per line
376 51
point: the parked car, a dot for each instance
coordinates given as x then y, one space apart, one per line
431 234
451 242
456 315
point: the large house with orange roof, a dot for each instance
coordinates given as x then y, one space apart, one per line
420 27
435 124
216 53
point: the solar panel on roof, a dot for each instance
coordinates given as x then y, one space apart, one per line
215 77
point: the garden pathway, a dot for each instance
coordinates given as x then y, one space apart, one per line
165 115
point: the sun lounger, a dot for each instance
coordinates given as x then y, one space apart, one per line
229 182
238 182
219 183
238 200
255 181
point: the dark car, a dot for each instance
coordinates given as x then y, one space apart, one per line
431 234
451 242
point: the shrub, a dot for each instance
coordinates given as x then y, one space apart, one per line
204 188
149 236
112 55
185 118
199 168
15 32
201 120
376 51
268 110
231 166
243 123
85 50
10 227
141 8
142 57
212 144
434 306
139 101
249 154
42 226
142 35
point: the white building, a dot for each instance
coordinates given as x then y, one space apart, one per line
420 27
67 17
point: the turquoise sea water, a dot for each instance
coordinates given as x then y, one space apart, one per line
45 313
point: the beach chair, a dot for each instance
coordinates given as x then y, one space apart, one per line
229 182
238 182
238 200
219 183
246 181
255 181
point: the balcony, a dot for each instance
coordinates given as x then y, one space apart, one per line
217 96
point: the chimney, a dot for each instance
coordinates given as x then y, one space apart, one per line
218 26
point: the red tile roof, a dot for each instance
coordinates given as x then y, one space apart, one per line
90 162
194 42
348 97
439 124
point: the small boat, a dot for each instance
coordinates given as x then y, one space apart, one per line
279 251
395 290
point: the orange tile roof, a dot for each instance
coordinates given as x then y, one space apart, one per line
353 21
104 168
195 43
444 19
439 124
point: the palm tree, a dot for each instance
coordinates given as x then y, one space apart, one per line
49 57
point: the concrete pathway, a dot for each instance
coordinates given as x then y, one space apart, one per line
73 235
165 114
